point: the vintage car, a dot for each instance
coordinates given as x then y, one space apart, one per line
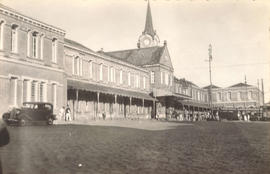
30 112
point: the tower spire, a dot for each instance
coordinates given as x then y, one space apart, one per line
149 29
149 38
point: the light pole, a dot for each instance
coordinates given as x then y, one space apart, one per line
246 99
210 74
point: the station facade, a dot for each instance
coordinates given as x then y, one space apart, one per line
38 63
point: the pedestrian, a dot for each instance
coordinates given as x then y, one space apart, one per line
103 115
4 138
68 114
62 113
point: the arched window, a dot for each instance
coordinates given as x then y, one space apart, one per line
14 38
54 50
76 65
2 24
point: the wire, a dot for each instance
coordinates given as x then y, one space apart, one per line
225 66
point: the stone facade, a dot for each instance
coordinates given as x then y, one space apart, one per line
239 96
37 63
27 69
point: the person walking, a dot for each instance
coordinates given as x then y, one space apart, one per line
62 113
68 114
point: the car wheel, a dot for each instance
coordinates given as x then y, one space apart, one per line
22 122
50 121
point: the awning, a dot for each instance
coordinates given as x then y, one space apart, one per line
194 104
72 84
178 97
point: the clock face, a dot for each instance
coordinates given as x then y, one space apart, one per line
146 41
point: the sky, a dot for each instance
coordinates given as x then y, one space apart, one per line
239 31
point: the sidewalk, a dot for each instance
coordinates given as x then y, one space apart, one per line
145 124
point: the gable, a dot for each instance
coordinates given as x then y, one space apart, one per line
165 58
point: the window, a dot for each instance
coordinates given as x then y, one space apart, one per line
137 81
54 94
54 50
13 89
42 92
26 90
28 43
152 77
171 81
166 79
230 95
77 66
35 44
161 77
41 45
90 69
81 67
129 79
14 38
249 94
34 91
219 96
144 83
101 72
121 77
2 24
112 75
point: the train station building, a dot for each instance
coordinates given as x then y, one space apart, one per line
38 63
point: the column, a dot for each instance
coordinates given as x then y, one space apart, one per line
154 109
97 104
143 107
130 99
15 91
77 104
115 107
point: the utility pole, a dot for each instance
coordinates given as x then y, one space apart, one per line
258 84
210 74
246 99
262 97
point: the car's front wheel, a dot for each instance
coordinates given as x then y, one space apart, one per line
50 121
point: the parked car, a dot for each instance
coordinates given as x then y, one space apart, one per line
30 112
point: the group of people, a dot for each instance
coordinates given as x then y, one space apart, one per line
243 116
65 113
187 115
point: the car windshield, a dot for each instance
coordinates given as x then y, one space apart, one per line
28 105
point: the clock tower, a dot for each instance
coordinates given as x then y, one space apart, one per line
149 38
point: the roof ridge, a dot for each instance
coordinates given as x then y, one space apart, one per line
68 41
134 49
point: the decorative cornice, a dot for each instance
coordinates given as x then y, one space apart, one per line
29 64
12 13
